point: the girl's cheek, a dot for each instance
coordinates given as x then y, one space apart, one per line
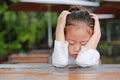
70 50
71 53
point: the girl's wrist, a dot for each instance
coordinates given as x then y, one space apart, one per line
60 27
97 34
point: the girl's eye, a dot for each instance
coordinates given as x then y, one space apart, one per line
83 43
71 42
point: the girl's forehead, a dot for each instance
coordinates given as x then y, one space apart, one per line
78 37
78 23
77 27
77 32
74 32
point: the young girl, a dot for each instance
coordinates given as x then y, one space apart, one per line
77 36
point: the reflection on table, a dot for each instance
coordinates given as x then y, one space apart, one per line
49 72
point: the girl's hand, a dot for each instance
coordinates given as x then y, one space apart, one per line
96 24
62 19
60 36
94 40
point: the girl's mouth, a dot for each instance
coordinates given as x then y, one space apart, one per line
74 56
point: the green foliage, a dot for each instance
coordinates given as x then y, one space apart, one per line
3 7
17 28
103 48
14 1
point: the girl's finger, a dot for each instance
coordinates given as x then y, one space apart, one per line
93 15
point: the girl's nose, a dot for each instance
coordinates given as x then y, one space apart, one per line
77 47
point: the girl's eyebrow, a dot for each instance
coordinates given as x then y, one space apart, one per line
85 41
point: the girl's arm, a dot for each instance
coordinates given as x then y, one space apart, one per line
94 40
60 36
60 53
90 56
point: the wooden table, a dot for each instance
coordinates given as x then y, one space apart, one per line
48 72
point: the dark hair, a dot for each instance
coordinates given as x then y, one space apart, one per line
79 14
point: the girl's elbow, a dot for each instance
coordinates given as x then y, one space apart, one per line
60 63
84 63
81 63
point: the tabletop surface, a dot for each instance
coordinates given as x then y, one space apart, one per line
49 72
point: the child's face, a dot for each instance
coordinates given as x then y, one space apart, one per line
77 36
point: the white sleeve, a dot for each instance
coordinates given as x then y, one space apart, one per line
60 54
87 57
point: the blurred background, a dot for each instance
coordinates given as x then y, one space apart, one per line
27 29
